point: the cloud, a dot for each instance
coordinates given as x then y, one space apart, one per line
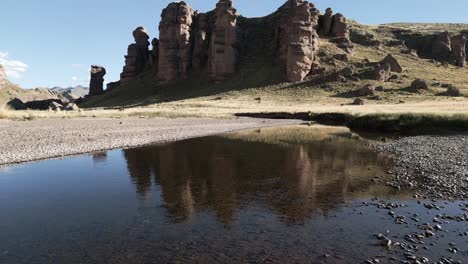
13 68
74 78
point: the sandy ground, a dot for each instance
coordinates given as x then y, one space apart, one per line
22 141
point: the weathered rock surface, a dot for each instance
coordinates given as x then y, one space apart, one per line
137 55
339 26
3 77
222 55
174 42
301 39
393 62
441 47
458 53
453 91
96 84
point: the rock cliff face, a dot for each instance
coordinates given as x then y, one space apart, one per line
222 55
174 42
96 84
458 53
213 43
3 77
298 38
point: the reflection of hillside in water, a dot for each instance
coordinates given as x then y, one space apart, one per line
222 174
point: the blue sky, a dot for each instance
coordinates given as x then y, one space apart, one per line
47 43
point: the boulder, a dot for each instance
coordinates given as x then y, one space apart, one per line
382 72
453 91
441 47
3 77
458 53
366 90
419 84
341 57
174 42
222 55
358 101
325 22
96 84
393 62
348 71
16 104
339 26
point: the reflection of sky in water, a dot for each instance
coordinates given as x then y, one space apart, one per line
279 193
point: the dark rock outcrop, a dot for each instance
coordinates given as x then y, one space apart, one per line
458 51
43 104
96 84
441 47
393 62
16 104
326 22
3 77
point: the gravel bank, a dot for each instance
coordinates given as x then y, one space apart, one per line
22 141
436 166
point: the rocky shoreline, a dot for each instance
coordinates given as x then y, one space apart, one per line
24 141
436 167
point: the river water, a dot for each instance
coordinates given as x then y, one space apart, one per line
279 195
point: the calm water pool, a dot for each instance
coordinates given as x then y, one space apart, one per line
279 195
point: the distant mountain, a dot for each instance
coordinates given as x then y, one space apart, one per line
71 92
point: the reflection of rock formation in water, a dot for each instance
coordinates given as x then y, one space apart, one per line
99 157
219 175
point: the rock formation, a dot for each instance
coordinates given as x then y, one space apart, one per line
137 55
222 55
325 22
298 38
382 72
96 84
458 52
441 47
213 43
393 62
339 26
3 77
174 42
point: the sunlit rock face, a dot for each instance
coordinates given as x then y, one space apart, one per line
298 38
213 45
175 42
3 77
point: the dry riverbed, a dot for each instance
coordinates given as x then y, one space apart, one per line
23 141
